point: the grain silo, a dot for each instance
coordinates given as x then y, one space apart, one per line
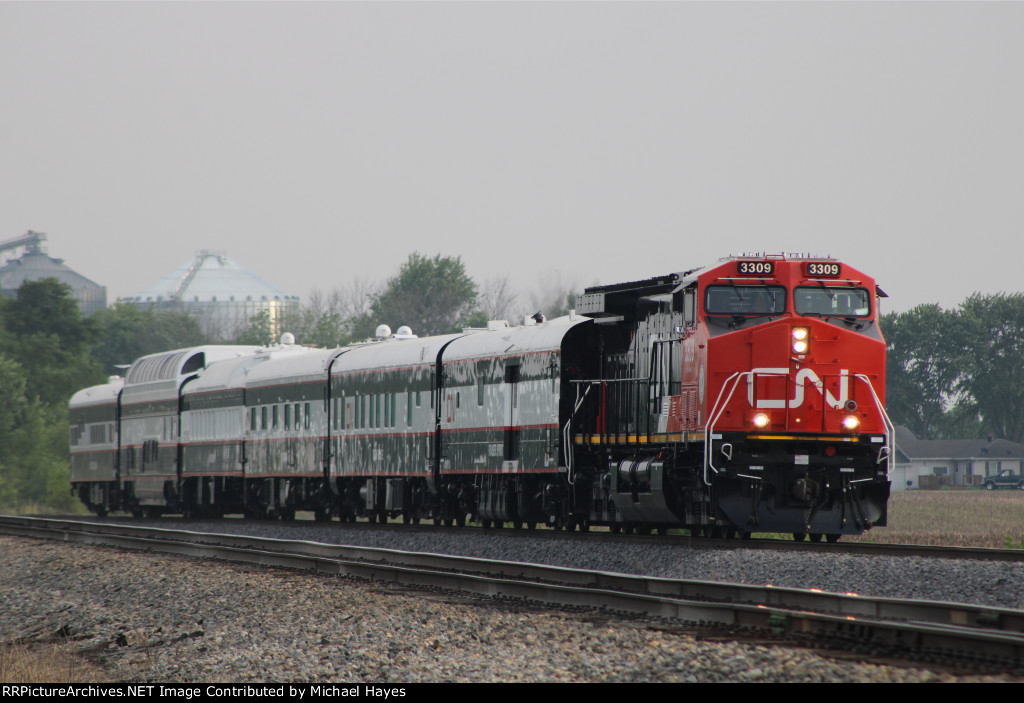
222 294
35 264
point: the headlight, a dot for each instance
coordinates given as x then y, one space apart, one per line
760 421
851 422
801 339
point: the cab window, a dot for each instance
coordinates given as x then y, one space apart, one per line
832 300
745 300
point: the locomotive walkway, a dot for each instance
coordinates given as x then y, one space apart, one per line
984 635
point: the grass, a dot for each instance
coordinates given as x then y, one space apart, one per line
46 663
42 509
959 518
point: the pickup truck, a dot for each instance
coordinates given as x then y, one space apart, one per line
1005 479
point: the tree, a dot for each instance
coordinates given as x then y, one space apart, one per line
552 295
50 340
498 301
921 369
958 373
432 296
127 333
41 364
260 331
989 349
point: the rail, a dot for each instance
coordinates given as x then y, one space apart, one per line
993 636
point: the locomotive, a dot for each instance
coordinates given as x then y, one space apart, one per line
744 398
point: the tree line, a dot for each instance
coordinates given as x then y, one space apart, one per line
432 295
958 374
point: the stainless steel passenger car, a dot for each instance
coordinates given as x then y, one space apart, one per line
214 428
150 421
93 414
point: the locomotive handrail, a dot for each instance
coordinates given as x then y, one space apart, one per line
591 382
714 415
567 432
890 428
736 377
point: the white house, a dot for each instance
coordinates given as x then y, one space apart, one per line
952 462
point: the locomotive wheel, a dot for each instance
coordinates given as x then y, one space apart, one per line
486 524
531 525
832 538
518 525
406 519
322 515
460 521
372 516
799 536
643 529
615 528
438 522
815 536
584 525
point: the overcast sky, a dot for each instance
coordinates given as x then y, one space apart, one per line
317 143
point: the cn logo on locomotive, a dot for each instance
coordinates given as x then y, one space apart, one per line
802 376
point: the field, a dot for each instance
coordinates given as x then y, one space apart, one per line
962 518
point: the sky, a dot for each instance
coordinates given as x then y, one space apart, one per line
322 143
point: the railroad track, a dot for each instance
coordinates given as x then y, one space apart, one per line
896 627
780 545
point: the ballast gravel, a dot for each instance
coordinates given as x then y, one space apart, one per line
960 581
155 618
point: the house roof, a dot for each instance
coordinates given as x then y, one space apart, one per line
910 448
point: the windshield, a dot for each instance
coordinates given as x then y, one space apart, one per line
745 300
832 300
